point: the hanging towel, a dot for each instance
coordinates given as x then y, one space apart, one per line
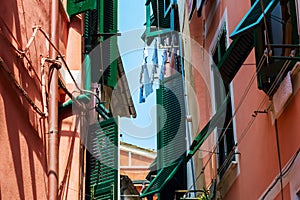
146 86
142 78
163 65
155 56
155 65
147 82
141 97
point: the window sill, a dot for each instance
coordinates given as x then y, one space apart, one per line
228 178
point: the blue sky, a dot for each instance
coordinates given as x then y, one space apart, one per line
142 130
131 14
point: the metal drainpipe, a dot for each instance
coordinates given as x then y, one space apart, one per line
53 136
188 124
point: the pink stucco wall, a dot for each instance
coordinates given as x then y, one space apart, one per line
23 134
257 162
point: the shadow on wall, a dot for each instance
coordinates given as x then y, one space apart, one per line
64 185
23 138
26 141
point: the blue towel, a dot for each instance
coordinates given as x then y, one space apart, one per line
155 56
142 99
147 83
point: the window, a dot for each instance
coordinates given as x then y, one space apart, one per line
281 30
221 90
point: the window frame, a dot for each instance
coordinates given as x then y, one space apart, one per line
222 25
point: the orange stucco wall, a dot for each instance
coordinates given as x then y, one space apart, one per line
22 144
23 137
257 161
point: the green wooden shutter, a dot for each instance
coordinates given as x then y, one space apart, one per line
78 6
164 16
90 41
162 21
254 17
108 28
102 180
171 142
235 56
171 137
163 179
100 25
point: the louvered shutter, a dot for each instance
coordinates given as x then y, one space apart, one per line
159 14
171 126
102 180
108 27
100 26
171 142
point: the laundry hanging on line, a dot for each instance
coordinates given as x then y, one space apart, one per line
163 66
146 79
146 85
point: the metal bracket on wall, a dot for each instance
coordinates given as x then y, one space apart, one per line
255 113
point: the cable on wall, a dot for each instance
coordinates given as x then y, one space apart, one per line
285 171
13 80
245 131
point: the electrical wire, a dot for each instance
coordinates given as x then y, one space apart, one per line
244 132
265 24
23 53
285 171
13 80
270 91
65 64
17 50
260 64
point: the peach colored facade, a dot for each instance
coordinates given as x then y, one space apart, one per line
257 159
134 162
23 138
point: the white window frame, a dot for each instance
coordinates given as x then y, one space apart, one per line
224 20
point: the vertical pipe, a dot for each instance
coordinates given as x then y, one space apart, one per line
279 158
186 104
53 137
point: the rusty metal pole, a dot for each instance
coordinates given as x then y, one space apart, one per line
53 136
